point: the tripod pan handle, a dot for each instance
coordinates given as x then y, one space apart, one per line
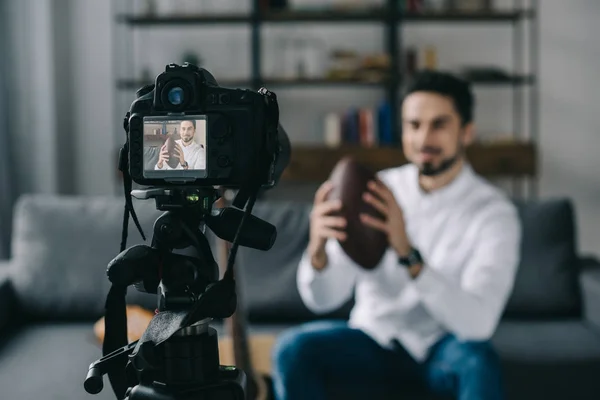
93 383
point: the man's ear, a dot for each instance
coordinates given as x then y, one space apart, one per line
468 134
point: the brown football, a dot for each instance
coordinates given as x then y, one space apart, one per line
173 157
364 245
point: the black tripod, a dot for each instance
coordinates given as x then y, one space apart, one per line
177 357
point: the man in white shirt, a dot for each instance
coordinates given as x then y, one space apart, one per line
423 318
191 154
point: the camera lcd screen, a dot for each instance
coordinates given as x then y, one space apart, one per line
175 147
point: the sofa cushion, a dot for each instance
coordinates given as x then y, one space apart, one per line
549 359
61 247
546 284
547 279
268 278
49 362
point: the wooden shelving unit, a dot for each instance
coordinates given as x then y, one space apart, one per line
310 163
313 163
342 16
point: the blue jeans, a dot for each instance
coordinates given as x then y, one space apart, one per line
314 360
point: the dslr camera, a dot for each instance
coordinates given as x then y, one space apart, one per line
230 133
187 140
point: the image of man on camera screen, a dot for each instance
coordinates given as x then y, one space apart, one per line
188 150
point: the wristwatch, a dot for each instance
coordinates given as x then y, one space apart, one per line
185 164
413 258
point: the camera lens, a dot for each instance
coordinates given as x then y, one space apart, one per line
175 96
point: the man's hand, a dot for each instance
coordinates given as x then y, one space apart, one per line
323 226
179 154
383 200
163 157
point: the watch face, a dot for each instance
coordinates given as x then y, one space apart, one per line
405 262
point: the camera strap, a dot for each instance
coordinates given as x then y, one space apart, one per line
127 186
115 318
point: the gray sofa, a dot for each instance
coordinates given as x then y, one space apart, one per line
53 290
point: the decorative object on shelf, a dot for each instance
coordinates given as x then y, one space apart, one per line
344 64
293 60
147 7
274 4
374 68
349 65
308 5
437 5
301 57
384 124
430 60
332 128
472 5
411 56
312 55
356 127
356 4
414 6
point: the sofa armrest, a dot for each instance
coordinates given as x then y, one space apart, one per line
7 299
590 285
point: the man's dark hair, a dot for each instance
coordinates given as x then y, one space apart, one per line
193 121
445 84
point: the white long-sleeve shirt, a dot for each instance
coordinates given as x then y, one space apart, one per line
468 234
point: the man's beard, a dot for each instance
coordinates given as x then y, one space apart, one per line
187 140
428 169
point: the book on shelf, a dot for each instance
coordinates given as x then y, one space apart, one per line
364 126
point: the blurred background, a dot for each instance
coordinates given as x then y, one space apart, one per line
69 70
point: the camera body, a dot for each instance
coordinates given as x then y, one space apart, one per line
187 130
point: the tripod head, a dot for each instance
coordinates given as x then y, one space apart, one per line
177 356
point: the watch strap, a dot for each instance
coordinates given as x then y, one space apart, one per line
413 258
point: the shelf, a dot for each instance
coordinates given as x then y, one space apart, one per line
199 19
377 15
369 15
477 81
127 84
500 81
487 16
315 163
321 82
132 84
382 15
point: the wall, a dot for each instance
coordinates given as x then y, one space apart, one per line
93 82
569 95
32 115
62 104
